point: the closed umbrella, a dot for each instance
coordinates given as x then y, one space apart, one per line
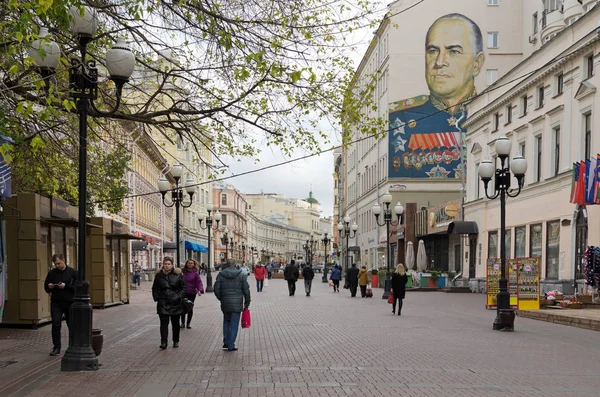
410 256
421 257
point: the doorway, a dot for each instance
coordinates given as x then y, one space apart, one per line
472 255
581 238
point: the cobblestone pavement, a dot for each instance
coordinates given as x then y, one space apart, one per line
325 345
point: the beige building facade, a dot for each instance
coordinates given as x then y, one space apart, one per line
232 205
547 107
418 159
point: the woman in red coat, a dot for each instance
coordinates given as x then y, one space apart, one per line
259 274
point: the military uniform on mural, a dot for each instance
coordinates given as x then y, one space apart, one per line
424 139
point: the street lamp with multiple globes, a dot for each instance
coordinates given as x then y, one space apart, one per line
505 316
244 252
225 242
310 244
325 240
209 228
344 230
177 198
83 87
387 221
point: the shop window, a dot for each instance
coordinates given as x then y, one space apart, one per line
552 248
507 242
535 240
520 234
493 244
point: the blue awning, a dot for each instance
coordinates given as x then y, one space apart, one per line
195 247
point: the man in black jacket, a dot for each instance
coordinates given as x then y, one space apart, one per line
60 284
291 274
308 274
352 279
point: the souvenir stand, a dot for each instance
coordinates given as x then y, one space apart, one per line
591 271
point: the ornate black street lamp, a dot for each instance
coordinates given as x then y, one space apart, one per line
325 240
387 221
177 198
310 243
244 252
505 316
344 230
209 228
83 87
225 242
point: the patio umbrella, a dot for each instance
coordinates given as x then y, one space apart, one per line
421 257
410 256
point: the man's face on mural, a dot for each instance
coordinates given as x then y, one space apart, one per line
450 60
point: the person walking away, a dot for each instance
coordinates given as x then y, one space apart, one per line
193 288
399 279
352 279
168 290
308 274
60 284
291 274
336 276
260 272
232 290
269 271
363 281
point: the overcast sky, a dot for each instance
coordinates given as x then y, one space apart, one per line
295 180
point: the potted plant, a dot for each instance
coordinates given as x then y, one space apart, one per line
381 274
374 278
433 279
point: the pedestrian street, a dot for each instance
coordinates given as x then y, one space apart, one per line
323 345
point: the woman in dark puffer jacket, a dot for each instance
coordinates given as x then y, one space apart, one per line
168 291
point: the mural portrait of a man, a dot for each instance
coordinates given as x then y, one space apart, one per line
426 125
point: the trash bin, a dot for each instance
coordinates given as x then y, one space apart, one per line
409 281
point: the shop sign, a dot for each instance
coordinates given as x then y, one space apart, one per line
119 228
440 217
60 208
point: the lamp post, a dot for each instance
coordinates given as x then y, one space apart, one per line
344 230
83 84
225 241
387 221
231 243
325 240
209 228
244 252
177 198
505 316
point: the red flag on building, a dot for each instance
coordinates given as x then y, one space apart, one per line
580 198
574 178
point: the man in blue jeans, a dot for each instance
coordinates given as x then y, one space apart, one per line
232 289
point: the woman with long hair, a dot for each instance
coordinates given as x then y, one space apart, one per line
193 287
168 290
399 279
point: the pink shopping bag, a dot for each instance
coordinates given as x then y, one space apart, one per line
246 318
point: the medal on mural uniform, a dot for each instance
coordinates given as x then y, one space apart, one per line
452 121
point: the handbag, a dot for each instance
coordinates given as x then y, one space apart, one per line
188 305
331 283
246 318
391 298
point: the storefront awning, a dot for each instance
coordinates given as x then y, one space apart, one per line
195 247
124 236
169 246
72 222
458 227
354 248
139 245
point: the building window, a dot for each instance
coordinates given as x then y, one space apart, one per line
493 2
492 39
522 149
524 105
587 137
556 138
538 158
540 97
223 199
496 121
535 23
224 219
589 72
560 84
520 242
535 240
552 248
551 5
478 184
509 110
491 75
493 244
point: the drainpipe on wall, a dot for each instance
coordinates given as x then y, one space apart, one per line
463 189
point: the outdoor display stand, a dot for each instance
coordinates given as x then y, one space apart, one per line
523 283
529 283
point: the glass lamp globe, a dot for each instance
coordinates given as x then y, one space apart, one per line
84 21
44 52
386 198
376 209
486 169
503 146
518 166
218 216
164 185
120 62
399 209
